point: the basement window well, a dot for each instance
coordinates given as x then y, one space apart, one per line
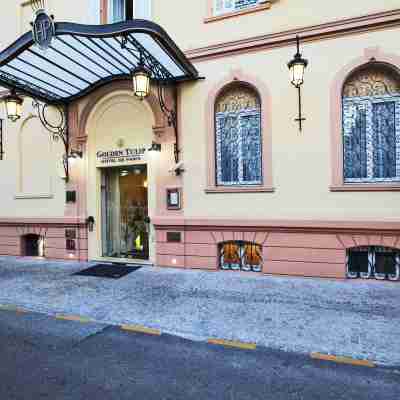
33 245
373 262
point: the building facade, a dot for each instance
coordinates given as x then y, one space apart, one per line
240 187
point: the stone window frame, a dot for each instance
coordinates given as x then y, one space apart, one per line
212 17
337 157
237 77
104 11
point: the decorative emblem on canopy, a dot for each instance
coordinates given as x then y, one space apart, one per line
43 29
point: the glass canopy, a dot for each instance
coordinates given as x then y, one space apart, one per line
82 58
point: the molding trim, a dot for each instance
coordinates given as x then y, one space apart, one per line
24 196
239 77
213 18
366 187
336 122
297 226
78 222
240 189
329 30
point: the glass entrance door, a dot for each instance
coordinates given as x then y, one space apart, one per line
125 212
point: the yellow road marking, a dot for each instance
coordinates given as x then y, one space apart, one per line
141 329
342 360
16 309
73 318
229 343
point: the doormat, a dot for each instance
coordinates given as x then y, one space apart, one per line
111 271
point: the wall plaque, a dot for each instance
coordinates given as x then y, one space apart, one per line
174 237
174 199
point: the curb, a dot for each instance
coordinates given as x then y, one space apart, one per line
141 329
75 318
213 341
342 360
16 309
233 343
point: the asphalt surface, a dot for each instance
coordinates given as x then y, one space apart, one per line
45 358
359 319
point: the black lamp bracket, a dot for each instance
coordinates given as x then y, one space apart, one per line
58 131
163 78
171 114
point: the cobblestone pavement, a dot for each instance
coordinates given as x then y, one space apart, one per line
351 318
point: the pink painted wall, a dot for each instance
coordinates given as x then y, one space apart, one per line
11 239
312 251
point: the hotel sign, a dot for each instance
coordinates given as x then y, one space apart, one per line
43 29
121 156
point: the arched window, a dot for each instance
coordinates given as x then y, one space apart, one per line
371 125
238 136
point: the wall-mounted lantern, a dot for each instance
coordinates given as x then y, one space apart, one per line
14 106
14 102
141 80
90 223
297 66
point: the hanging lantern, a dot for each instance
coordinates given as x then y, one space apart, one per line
297 67
141 81
13 106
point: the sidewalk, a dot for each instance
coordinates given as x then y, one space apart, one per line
350 318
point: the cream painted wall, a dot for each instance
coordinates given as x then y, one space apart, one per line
30 180
301 162
16 15
47 197
191 31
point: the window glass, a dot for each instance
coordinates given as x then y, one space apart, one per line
143 9
371 126
94 12
117 11
121 10
238 137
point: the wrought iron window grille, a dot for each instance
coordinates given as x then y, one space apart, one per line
241 256
371 137
381 263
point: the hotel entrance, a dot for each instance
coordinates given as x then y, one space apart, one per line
124 209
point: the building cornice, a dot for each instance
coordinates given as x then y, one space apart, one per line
329 30
51 222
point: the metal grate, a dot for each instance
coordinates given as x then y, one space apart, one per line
374 262
241 256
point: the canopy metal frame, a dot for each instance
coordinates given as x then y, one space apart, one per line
82 58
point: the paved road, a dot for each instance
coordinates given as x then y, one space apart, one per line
45 358
346 318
